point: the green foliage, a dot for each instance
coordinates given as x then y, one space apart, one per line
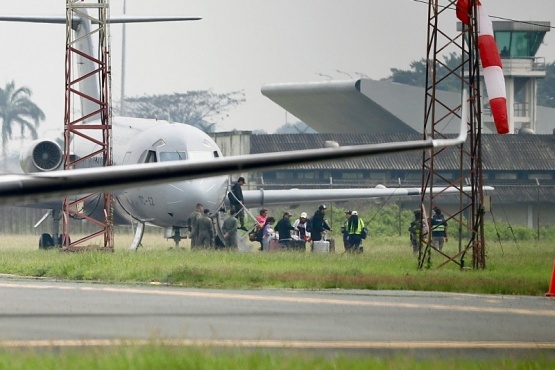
416 76
16 107
197 108
546 87
158 354
387 263
505 232
295 128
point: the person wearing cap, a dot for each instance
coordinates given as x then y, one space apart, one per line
319 223
236 201
300 227
344 231
355 227
205 231
283 228
439 229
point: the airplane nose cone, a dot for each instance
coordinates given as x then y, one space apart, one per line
183 197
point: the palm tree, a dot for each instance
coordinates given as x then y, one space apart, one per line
16 107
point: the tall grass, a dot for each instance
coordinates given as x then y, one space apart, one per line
387 263
167 357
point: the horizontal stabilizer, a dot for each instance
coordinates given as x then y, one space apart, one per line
261 197
118 19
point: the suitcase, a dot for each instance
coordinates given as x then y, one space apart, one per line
273 245
321 246
296 245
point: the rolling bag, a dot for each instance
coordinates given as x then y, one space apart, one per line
273 245
321 246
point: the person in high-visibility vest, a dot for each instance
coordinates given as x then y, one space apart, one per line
439 229
355 227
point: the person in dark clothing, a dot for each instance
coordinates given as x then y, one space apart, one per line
236 201
345 231
414 229
439 229
319 224
284 227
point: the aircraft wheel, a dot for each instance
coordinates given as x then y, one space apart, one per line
61 240
46 241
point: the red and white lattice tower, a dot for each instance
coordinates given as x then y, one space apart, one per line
466 223
87 80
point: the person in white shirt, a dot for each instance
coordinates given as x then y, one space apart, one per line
300 227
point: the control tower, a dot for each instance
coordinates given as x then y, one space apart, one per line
518 43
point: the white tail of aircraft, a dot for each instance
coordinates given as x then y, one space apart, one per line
82 27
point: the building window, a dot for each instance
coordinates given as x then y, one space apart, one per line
446 175
307 175
284 175
540 176
352 176
506 176
377 175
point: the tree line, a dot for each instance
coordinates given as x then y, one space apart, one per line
416 76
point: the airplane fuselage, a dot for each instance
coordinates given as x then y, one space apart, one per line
143 141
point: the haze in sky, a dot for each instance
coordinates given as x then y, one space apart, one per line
239 46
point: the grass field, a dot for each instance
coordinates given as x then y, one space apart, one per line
168 357
522 269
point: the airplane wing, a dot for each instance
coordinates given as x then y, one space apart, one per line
26 188
261 197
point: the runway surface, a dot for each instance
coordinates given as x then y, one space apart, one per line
36 313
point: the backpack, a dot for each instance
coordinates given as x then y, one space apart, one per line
308 226
364 233
259 235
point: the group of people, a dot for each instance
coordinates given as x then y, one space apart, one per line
201 228
301 231
418 230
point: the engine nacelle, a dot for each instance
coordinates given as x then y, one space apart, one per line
41 156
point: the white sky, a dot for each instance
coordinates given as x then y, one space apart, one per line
239 45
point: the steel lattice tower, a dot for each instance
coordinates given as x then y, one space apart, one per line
465 224
87 80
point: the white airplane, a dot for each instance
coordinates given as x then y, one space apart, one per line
162 170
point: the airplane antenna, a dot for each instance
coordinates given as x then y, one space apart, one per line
90 69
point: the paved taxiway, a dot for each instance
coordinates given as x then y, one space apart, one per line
41 312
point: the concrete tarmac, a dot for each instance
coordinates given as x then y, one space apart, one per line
50 313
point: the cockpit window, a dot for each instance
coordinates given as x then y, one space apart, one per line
151 157
172 156
200 155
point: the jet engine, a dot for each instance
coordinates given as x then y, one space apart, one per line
41 156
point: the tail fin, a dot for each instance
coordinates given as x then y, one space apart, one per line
82 27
